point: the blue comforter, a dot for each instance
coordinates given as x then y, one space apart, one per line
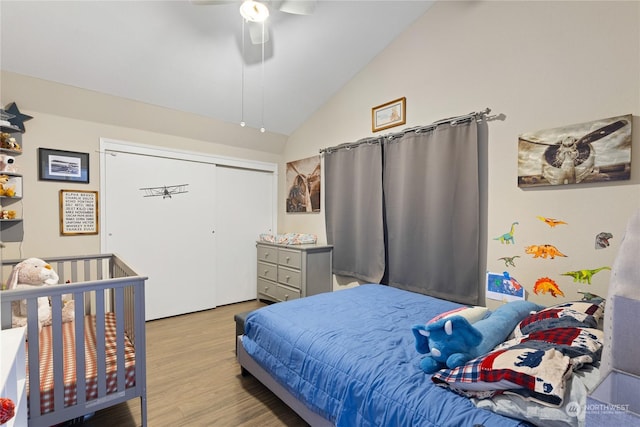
350 356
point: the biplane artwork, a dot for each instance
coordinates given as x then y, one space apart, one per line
166 191
588 152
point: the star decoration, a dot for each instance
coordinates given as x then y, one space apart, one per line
19 118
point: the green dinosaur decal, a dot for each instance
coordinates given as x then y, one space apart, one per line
588 296
507 238
584 276
508 260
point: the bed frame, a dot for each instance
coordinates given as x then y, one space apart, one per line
99 284
250 366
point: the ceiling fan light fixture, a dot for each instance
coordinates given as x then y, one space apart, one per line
254 11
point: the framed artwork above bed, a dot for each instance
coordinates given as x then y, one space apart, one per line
595 151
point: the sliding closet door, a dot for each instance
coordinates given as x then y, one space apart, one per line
168 236
244 209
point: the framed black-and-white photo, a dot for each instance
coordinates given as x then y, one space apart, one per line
59 165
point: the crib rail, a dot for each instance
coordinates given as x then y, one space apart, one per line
99 284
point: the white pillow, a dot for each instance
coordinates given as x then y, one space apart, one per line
472 314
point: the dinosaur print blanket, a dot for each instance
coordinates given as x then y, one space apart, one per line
539 375
535 366
548 347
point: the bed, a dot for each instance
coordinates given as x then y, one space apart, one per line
98 359
348 358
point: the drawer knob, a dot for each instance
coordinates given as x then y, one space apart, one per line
287 278
266 272
286 297
288 259
266 255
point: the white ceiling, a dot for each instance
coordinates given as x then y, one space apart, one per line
188 57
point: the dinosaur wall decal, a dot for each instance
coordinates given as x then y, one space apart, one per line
509 260
543 251
584 276
551 222
507 238
602 240
545 284
588 296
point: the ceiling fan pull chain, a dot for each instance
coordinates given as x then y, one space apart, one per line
242 123
262 129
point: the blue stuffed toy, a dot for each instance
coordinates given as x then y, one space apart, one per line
453 341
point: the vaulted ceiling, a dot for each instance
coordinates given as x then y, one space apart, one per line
189 57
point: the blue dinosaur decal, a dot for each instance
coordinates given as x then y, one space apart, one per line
531 359
548 388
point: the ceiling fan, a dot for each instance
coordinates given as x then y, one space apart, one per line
256 13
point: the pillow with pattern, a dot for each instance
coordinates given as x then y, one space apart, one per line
577 314
581 345
534 366
535 374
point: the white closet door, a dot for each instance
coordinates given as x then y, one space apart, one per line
244 209
169 238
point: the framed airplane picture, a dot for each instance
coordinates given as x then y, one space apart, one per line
595 151
59 165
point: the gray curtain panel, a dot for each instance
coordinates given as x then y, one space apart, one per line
431 195
353 211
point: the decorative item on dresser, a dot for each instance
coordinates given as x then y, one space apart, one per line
287 272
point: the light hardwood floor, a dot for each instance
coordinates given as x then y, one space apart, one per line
193 378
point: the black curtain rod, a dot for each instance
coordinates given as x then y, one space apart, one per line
476 115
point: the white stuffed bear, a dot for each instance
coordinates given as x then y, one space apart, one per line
7 163
30 273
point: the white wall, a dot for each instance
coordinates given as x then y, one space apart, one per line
542 65
101 116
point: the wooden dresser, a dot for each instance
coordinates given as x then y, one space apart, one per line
287 272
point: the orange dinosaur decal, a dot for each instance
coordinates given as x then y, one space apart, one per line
543 251
545 284
551 222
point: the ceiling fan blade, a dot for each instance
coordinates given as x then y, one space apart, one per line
255 32
298 7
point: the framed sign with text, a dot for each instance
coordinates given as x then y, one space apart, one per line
78 212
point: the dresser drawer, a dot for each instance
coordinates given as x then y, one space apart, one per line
267 271
287 294
289 258
287 272
269 289
288 276
268 254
